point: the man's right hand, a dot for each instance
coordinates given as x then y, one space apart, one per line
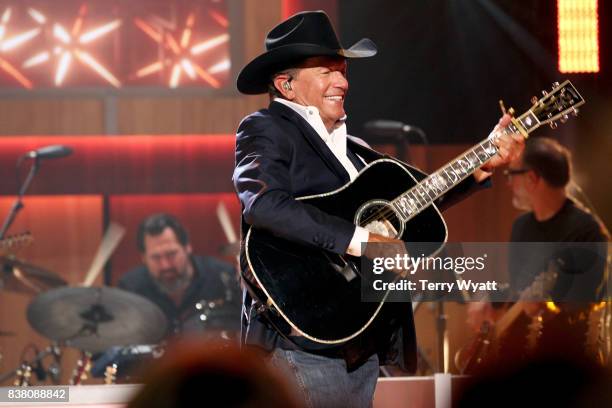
379 246
478 313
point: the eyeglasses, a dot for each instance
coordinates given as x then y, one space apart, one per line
514 172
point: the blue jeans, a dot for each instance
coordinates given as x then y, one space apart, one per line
323 382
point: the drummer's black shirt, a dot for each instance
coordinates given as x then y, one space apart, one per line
213 281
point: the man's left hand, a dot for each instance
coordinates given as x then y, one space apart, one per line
509 147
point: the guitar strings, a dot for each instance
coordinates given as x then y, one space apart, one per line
383 214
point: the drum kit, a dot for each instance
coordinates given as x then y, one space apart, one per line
93 320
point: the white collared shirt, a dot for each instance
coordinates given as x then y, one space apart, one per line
336 141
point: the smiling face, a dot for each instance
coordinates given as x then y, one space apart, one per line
321 82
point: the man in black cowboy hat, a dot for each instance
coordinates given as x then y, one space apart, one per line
299 147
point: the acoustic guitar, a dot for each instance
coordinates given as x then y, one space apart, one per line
317 292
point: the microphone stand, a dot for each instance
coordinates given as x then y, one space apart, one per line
418 131
399 140
18 205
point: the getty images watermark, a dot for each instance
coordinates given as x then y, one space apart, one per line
535 271
408 265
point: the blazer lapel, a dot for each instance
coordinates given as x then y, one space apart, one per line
313 139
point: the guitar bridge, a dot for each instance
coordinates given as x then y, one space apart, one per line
345 269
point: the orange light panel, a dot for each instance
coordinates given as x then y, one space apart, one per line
578 36
85 43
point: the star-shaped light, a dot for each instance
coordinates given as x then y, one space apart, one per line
179 58
72 45
9 44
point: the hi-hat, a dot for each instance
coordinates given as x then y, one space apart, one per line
96 318
22 277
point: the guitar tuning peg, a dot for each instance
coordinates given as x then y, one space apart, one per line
575 112
555 85
534 100
553 125
564 118
544 93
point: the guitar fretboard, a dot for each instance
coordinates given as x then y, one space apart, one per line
423 194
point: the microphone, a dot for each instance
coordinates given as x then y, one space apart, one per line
383 127
390 128
49 152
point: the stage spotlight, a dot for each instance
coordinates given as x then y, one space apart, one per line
578 36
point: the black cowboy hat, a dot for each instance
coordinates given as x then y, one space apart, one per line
303 35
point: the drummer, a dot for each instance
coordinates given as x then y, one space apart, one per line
171 276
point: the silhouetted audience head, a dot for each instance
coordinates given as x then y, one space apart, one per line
196 373
543 382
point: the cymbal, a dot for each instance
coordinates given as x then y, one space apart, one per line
22 277
96 318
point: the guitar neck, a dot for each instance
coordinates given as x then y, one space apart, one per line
539 288
423 194
508 318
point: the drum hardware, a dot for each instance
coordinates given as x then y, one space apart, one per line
94 319
214 318
82 370
54 370
110 374
208 311
24 372
23 375
19 276
125 362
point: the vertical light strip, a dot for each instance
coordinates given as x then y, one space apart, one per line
578 36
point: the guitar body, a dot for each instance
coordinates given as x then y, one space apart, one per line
469 358
318 293
490 346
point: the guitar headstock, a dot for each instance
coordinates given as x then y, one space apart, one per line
557 104
14 242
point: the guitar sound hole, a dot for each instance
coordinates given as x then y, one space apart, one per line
379 217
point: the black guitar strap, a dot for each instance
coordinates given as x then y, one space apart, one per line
266 310
366 153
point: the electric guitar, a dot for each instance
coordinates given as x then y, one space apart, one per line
318 293
486 346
